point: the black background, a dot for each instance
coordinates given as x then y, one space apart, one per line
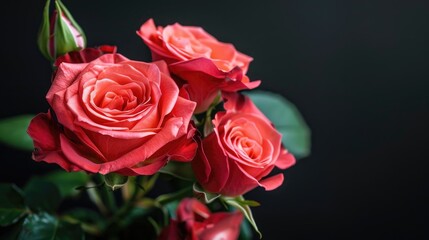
357 71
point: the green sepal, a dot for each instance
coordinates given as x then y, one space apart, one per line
201 193
115 181
242 204
44 33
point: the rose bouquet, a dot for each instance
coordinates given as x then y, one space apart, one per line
162 149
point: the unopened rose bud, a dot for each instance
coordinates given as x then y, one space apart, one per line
59 32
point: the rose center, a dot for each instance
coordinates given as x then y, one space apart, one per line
113 96
124 100
243 140
249 147
185 43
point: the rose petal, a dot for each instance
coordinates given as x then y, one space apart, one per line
114 147
239 181
285 160
272 183
201 165
192 209
167 134
202 65
163 67
150 36
184 153
170 93
244 59
65 76
171 232
86 55
73 154
212 172
225 226
200 33
180 42
151 168
235 102
45 137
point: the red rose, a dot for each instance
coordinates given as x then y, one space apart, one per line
241 151
114 115
176 43
196 222
206 65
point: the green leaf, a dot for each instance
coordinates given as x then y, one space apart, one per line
239 203
12 206
251 203
287 120
41 195
44 226
67 182
179 170
13 132
208 196
115 181
11 232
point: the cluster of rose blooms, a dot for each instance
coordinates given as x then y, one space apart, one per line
111 114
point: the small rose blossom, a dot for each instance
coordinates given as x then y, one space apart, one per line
196 222
176 43
204 65
242 150
114 115
59 33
